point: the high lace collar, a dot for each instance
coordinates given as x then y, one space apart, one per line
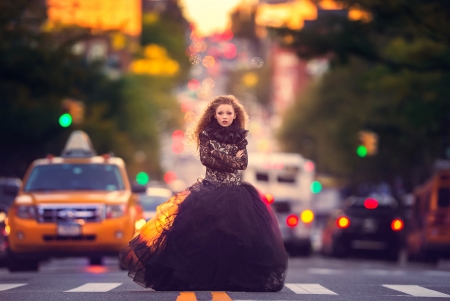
231 134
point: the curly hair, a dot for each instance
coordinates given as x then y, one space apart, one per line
193 133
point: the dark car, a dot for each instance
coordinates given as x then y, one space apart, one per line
372 223
9 187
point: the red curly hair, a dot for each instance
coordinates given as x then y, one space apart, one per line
205 118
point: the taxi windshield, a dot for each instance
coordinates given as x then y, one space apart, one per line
75 177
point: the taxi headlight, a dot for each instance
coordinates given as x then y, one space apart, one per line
113 211
26 212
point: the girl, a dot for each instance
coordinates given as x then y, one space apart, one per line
219 234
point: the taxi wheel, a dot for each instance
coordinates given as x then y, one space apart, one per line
95 260
15 265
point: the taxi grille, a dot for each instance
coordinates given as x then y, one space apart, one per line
70 212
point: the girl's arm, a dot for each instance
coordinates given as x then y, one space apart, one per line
207 159
231 161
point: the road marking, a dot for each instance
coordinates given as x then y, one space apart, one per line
416 291
186 296
325 271
5 287
220 296
377 272
94 287
309 289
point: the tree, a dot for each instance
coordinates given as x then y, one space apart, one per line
390 76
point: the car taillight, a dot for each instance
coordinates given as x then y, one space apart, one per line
307 216
397 224
113 211
343 222
26 212
269 198
292 220
370 203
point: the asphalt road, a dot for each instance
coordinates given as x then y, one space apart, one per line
313 278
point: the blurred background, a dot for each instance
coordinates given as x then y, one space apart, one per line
359 89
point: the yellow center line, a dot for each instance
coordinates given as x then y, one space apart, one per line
187 296
220 296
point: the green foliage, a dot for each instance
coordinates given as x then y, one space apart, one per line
38 70
390 76
169 33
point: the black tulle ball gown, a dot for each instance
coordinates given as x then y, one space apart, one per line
219 234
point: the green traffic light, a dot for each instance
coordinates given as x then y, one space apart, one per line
316 187
142 178
65 120
361 151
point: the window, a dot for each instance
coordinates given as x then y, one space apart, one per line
262 177
281 207
75 177
444 197
286 178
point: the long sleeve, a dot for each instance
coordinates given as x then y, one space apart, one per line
207 159
231 161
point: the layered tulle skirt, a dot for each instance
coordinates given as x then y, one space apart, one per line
209 237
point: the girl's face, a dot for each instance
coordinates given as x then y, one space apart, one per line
225 115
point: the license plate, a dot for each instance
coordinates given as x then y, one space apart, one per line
69 230
369 226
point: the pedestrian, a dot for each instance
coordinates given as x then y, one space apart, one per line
219 234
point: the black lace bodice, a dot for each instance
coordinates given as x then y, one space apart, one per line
220 159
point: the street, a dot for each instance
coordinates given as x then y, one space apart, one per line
310 278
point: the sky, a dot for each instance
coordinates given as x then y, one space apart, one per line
210 16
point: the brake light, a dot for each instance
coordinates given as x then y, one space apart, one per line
343 222
397 224
269 198
307 216
292 220
370 203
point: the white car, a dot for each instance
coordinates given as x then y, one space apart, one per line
152 198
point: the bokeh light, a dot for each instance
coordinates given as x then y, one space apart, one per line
195 59
308 166
257 62
361 151
208 83
65 120
193 84
292 220
316 187
142 178
307 216
208 61
170 176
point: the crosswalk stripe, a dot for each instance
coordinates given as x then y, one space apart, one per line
309 289
186 296
220 296
94 287
416 291
4 287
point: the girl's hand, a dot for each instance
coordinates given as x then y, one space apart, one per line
240 153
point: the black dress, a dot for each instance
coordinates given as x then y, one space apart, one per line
217 235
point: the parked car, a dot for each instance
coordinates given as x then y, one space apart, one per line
9 188
372 223
152 198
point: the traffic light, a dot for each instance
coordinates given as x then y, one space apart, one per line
368 143
315 187
142 178
65 120
73 108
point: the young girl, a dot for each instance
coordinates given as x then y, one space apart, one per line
220 233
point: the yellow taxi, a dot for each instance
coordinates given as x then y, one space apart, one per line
79 204
429 235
